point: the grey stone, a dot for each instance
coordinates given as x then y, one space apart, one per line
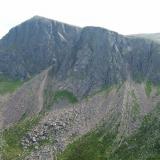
92 56
34 139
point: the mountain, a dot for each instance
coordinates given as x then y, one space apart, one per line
78 88
34 45
152 36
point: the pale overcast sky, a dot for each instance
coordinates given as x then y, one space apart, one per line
123 16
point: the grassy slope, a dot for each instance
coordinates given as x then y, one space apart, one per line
97 145
12 136
100 144
8 85
12 148
148 88
94 146
145 144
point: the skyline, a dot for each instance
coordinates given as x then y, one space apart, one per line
125 16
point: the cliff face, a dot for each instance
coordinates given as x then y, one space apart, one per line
34 45
95 54
83 77
102 58
82 61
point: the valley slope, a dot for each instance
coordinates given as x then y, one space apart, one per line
81 83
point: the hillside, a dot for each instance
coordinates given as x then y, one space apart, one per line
70 89
152 36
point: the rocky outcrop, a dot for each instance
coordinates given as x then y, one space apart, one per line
103 58
91 54
34 45
82 61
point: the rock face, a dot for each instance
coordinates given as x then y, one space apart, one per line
34 45
93 56
83 62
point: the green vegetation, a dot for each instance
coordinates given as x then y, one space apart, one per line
101 145
158 89
94 146
48 99
53 97
8 86
65 94
148 88
119 86
48 140
12 148
135 107
104 90
145 144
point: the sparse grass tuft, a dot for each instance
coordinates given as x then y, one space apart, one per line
148 88
135 106
52 97
65 94
158 89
